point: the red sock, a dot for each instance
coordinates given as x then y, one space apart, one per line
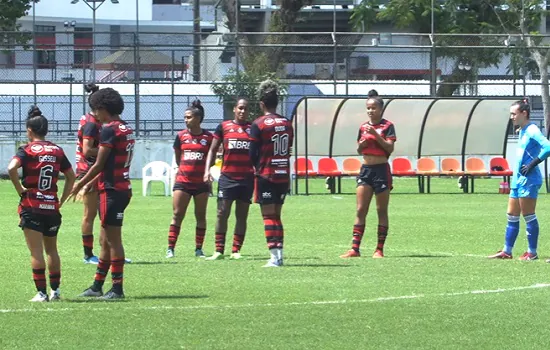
100 274
117 274
55 280
173 235
88 244
238 241
382 234
39 277
358 231
220 242
274 232
200 233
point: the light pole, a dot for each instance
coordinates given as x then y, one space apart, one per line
93 5
69 26
467 67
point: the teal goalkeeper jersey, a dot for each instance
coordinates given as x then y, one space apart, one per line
531 144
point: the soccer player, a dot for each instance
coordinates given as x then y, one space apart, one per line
86 153
271 138
533 148
236 182
191 147
39 206
116 146
375 142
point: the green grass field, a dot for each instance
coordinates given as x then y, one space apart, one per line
434 289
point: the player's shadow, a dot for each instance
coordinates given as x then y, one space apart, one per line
93 300
315 265
422 256
169 297
266 257
153 262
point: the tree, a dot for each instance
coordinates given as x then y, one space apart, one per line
259 62
466 17
10 12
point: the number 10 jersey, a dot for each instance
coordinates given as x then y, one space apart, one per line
115 175
275 135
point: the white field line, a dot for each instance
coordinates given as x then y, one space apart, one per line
267 305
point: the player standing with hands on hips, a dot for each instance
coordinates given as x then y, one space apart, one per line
116 147
533 148
41 162
271 138
375 142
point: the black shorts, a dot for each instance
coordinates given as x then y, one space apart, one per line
112 205
241 190
47 224
268 192
192 189
376 176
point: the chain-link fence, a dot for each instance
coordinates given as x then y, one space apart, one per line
160 74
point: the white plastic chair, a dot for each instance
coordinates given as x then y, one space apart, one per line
160 171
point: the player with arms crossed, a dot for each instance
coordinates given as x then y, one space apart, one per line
39 206
271 138
86 153
533 148
375 142
236 181
116 146
190 147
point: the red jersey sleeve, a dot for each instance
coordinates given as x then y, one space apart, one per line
107 137
218 134
89 130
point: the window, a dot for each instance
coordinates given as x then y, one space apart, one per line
83 33
44 31
166 2
45 58
82 57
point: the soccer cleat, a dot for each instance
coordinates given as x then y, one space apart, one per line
199 253
216 256
91 260
55 295
500 255
111 295
528 256
170 253
378 254
235 256
127 261
40 297
91 293
351 254
274 263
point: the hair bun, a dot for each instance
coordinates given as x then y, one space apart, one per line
197 103
372 93
91 88
34 111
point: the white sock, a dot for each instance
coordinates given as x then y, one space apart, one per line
274 254
280 254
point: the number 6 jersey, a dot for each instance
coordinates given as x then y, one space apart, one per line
41 162
119 137
275 135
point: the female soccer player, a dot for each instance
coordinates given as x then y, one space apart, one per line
375 142
190 147
533 148
39 206
86 153
271 138
116 146
236 182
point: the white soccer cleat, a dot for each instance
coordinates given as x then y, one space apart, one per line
55 295
40 298
216 256
274 263
235 256
170 254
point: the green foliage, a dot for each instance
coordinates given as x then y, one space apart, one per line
240 84
10 12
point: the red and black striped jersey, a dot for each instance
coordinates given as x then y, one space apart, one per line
194 149
385 129
275 136
88 128
119 137
41 162
236 144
